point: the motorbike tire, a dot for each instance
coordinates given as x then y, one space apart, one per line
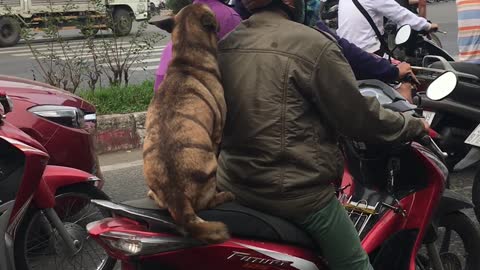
469 234
476 194
87 191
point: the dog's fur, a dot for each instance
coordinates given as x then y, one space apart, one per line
184 126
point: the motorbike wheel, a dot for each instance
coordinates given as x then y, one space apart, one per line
456 230
38 244
476 194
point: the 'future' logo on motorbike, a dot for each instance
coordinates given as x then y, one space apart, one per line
245 257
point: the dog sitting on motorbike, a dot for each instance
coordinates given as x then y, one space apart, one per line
184 125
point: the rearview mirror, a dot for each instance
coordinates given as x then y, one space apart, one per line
403 34
442 86
6 103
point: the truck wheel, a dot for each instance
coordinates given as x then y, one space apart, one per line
122 22
9 31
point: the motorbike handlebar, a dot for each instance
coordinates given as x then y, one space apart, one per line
410 79
428 142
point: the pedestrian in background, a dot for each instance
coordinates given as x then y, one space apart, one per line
227 19
469 30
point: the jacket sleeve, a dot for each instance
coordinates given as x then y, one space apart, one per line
400 15
365 65
335 93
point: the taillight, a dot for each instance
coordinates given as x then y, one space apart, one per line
126 237
134 245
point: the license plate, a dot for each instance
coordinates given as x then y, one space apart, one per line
474 138
429 116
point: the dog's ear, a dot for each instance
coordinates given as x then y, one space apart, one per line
209 22
166 23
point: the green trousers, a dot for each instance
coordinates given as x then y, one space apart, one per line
334 232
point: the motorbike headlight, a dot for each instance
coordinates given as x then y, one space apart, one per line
63 115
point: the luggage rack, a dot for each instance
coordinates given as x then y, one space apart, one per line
359 212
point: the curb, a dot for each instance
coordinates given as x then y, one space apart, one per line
117 132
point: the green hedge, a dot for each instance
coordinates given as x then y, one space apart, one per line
133 98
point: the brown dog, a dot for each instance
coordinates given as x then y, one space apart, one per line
184 126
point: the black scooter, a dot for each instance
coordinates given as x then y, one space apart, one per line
457 117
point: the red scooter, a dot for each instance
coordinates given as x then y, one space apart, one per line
394 199
44 209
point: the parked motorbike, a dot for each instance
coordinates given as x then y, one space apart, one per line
457 117
44 209
392 208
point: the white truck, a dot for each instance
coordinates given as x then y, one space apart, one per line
15 14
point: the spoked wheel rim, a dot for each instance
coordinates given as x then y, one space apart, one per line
45 249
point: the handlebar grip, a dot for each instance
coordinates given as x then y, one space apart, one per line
425 140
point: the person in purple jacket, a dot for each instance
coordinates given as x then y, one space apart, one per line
227 18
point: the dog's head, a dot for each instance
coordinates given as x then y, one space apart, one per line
192 20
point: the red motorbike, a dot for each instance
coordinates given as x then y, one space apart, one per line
44 209
393 193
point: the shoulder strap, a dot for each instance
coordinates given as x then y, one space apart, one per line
365 14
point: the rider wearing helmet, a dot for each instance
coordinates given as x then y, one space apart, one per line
290 93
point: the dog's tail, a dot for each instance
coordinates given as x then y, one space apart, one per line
208 232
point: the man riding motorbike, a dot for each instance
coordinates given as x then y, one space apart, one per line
353 25
290 93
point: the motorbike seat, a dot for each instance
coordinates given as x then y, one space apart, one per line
240 220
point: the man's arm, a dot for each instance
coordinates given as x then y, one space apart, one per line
400 15
422 8
333 89
365 65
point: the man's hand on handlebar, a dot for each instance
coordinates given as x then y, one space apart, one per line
405 73
433 28
404 69
426 124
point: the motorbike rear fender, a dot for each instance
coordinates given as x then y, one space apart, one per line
450 202
55 177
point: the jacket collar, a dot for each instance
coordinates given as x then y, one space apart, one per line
268 16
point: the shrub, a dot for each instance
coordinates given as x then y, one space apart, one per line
118 99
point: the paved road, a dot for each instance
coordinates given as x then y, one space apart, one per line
19 61
445 14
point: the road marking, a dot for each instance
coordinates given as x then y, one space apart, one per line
145 68
47 47
132 55
121 166
82 53
140 62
